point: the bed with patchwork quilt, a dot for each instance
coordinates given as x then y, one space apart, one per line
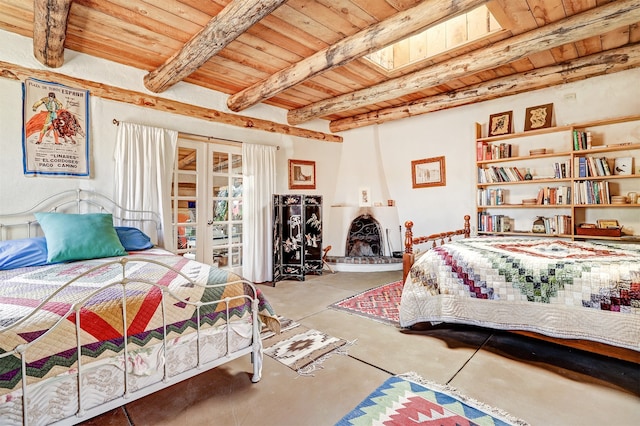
180 315
569 290
94 315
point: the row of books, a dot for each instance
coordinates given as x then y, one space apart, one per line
554 195
581 140
593 166
562 170
488 151
499 174
591 192
493 222
559 224
490 197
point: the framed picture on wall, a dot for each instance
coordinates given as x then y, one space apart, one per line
538 117
428 172
364 197
302 174
501 123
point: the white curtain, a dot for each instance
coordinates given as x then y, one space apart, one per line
144 159
259 170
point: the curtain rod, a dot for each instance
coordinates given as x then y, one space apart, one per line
208 138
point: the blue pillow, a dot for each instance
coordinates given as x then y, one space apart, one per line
79 236
133 239
23 252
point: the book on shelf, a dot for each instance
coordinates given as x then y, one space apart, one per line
591 192
554 195
562 170
495 174
493 223
487 151
558 224
581 140
490 197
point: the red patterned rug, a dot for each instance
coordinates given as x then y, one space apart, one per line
380 303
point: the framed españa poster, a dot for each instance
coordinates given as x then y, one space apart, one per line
55 135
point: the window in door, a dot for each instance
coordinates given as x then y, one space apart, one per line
226 178
207 203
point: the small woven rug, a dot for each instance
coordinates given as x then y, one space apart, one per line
409 399
303 349
379 303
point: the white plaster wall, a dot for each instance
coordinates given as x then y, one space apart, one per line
452 133
449 133
19 192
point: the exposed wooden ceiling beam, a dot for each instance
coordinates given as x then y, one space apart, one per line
577 27
225 27
588 66
49 30
104 91
376 36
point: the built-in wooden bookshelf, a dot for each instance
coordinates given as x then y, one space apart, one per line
570 151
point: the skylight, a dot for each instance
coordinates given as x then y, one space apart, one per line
468 27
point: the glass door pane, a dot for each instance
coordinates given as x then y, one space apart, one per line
189 223
225 177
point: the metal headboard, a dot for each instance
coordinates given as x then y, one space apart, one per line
24 225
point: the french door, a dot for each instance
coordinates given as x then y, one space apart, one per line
207 203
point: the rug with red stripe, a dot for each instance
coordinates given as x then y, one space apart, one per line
380 303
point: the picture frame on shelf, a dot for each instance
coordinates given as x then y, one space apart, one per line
607 224
623 166
302 174
501 123
428 172
538 117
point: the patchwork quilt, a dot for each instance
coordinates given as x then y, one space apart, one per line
566 289
33 300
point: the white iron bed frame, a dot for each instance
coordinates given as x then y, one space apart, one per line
84 201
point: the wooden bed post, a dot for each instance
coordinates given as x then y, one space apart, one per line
467 226
407 256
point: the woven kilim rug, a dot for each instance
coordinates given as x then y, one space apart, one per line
303 349
409 399
380 303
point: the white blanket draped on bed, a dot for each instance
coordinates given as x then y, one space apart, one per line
572 290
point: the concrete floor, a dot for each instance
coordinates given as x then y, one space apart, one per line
539 382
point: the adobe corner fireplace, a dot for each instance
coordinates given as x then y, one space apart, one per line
364 237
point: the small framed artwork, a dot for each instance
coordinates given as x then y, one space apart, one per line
623 166
501 124
607 223
428 172
364 197
538 117
302 174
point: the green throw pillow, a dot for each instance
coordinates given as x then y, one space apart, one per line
79 236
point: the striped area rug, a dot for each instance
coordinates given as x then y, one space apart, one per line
408 399
303 349
380 303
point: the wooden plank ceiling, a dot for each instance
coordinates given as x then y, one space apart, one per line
306 56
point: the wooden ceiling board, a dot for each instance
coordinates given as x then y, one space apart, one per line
351 12
634 33
146 33
380 9
149 16
326 16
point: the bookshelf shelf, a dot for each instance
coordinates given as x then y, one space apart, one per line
589 148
